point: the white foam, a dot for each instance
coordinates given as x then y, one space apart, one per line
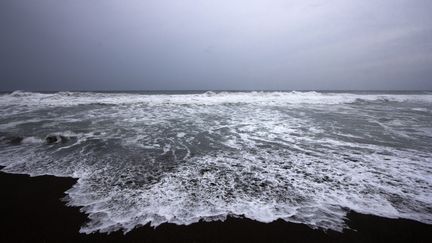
186 195
181 134
32 140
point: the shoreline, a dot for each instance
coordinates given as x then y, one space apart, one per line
31 210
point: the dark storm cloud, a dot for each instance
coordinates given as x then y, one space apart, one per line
190 44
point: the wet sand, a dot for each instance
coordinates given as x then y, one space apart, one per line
31 211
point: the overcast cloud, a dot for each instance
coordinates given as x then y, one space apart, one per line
215 44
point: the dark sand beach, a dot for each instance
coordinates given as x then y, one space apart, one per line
31 211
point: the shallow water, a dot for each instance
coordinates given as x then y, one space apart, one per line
304 157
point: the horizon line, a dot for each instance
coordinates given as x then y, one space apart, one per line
223 90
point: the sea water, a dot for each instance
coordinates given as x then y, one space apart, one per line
149 157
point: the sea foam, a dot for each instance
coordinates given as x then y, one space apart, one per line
304 157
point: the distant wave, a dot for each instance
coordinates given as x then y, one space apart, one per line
41 100
20 93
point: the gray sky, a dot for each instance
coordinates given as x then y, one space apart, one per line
215 44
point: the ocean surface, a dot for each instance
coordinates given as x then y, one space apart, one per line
148 157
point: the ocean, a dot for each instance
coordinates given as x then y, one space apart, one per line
183 157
